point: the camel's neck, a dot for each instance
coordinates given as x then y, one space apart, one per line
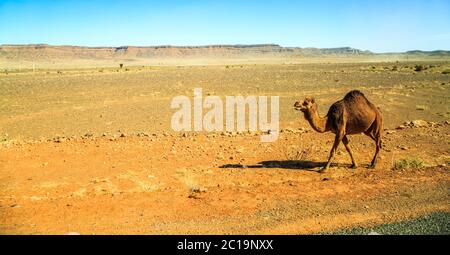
317 123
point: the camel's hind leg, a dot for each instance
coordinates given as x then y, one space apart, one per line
346 142
377 139
375 133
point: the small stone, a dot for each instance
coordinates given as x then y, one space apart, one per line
73 234
421 107
419 123
401 127
123 135
59 139
289 130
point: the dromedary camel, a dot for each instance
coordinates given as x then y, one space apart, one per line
352 115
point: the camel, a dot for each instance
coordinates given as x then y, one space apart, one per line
352 115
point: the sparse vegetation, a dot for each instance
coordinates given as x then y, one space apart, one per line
165 177
298 153
419 68
194 189
408 163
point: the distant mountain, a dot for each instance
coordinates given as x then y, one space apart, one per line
48 56
46 52
429 53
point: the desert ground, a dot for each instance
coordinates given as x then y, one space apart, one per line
90 150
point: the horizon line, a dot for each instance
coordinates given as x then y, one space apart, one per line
220 45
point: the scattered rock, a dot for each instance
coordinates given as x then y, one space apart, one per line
434 124
123 135
419 123
288 130
303 129
421 107
414 124
59 139
73 234
88 135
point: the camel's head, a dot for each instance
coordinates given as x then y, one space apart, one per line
305 106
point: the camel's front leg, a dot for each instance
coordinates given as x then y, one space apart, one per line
337 141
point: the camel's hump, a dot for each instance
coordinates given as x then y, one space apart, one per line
353 95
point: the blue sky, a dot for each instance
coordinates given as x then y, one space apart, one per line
376 25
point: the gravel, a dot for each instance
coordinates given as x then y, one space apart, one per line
433 224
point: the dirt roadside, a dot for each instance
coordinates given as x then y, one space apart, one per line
217 183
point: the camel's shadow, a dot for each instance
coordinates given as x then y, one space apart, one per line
286 164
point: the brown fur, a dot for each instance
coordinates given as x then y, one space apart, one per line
352 115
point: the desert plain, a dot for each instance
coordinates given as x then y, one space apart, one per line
90 149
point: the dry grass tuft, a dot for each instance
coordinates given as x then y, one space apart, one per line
298 153
408 163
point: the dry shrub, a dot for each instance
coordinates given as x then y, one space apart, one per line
408 163
193 187
298 152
